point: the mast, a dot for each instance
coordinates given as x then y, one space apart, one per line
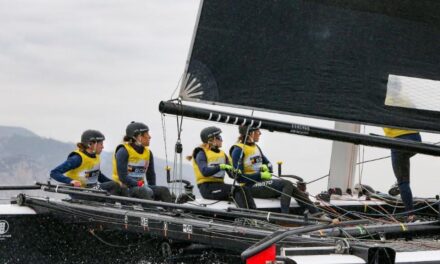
343 160
169 107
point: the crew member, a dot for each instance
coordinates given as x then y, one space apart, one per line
400 161
133 165
257 172
82 167
210 165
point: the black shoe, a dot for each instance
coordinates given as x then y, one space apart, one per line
394 190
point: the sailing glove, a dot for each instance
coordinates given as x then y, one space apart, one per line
264 168
75 183
140 183
265 175
226 167
236 171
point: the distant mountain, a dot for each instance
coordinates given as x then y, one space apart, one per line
7 131
26 157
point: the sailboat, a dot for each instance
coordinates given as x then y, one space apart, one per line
355 62
321 59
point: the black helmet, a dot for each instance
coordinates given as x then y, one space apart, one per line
243 130
209 132
91 136
136 128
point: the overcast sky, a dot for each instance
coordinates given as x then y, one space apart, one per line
71 65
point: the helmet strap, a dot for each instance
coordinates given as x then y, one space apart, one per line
211 143
249 138
94 148
136 141
90 149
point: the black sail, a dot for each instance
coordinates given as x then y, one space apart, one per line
333 59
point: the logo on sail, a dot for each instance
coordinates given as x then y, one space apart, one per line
199 83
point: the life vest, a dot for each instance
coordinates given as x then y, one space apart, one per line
137 163
403 102
395 132
88 171
213 158
252 158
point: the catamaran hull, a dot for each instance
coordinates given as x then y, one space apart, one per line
66 228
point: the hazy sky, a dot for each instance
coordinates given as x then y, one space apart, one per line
71 65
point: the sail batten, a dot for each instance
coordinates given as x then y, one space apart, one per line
330 59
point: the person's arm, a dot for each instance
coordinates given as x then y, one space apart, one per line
237 162
202 163
228 171
72 162
267 162
122 167
151 173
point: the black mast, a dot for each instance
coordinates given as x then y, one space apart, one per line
169 107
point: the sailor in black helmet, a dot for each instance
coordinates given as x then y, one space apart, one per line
82 167
257 172
210 165
133 165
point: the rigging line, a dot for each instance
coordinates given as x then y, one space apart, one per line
437 212
232 237
92 232
358 163
391 201
347 235
406 212
361 159
376 255
372 160
240 160
164 133
179 126
363 214
366 216
395 206
388 214
289 195
335 212
177 87
320 178
67 209
203 204
177 165
358 214
205 217
384 157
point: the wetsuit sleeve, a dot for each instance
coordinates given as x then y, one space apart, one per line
267 162
151 173
122 167
227 171
202 163
237 163
72 162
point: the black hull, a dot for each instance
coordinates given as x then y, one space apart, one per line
109 229
50 239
